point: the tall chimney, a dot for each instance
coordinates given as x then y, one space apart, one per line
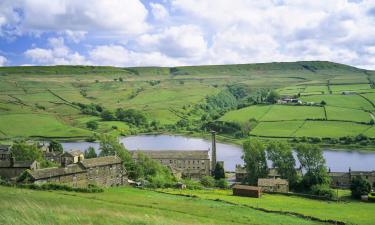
213 151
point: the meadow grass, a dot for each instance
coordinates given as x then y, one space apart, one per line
125 206
349 87
345 101
245 114
276 129
338 113
351 212
332 129
286 112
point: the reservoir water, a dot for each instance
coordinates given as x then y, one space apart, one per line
229 153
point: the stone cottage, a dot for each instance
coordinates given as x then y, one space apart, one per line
11 168
103 171
273 185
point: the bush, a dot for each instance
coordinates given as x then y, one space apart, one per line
371 197
359 187
92 125
221 183
192 185
207 181
322 190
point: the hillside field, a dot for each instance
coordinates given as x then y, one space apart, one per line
41 102
126 206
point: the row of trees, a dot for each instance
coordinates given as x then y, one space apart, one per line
314 176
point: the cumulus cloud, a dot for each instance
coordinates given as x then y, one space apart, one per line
188 32
177 41
159 11
118 16
118 55
57 54
3 60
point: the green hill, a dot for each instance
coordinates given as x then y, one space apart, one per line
40 101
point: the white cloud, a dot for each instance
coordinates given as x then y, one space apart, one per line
57 54
118 55
117 16
159 11
178 41
3 60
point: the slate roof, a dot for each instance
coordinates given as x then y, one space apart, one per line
246 187
174 154
263 182
55 172
16 164
101 161
74 153
4 149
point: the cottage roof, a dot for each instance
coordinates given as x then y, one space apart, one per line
74 153
338 174
174 154
101 161
55 171
246 187
17 164
263 182
4 149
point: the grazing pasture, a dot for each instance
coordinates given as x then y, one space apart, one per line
126 206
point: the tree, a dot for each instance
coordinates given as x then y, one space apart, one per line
219 171
90 153
55 146
282 159
92 125
323 102
272 97
25 152
312 160
359 187
255 161
107 115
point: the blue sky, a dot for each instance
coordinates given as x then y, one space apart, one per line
185 32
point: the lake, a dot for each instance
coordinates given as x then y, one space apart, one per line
229 153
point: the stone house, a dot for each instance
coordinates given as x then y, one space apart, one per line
11 168
53 156
73 156
5 152
343 179
273 185
103 171
246 191
190 164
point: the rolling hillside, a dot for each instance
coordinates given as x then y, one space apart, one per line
41 101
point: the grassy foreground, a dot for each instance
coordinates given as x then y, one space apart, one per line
125 206
350 212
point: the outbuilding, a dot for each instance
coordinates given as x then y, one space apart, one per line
246 191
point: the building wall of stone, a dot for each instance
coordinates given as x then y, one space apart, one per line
276 188
11 172
74 180
109 175
193 168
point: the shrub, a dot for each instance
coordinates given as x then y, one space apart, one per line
192 185
322 190
92 125
371 197
207 181
359 187
221 183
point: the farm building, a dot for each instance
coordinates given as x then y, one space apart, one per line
241 173
343 179
246 191
4 152
73 156
273 185
11 168
191 164
102 171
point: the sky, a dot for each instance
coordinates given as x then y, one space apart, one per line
186 32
